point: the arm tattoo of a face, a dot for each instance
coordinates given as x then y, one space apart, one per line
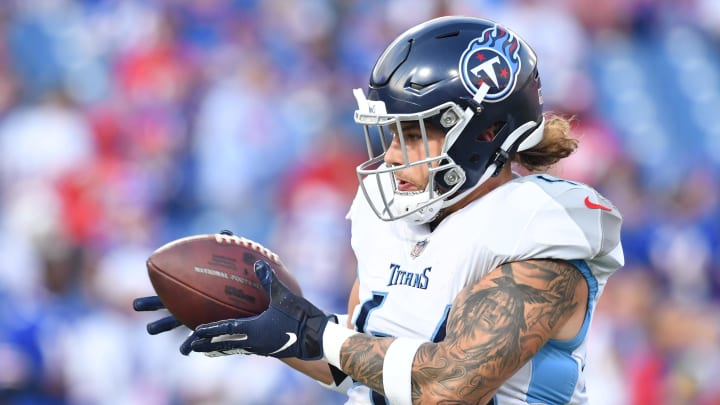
492 330
495 327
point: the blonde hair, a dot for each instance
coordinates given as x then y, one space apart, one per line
556 145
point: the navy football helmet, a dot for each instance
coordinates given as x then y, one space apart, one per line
461 75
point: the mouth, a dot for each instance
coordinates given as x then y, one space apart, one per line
404 185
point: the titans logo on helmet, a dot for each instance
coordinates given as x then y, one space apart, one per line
491 63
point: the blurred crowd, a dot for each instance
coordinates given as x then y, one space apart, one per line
127 124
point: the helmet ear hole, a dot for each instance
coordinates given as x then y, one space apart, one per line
485 136
489 134
475 158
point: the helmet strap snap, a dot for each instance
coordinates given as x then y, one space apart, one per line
500 158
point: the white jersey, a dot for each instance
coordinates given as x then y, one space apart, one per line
409 276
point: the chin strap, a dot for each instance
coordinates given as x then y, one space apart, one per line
502 156
535 137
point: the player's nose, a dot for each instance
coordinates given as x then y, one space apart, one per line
393 155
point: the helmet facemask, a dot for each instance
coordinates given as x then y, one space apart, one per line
378 179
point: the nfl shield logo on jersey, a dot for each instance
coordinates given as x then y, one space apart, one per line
418 248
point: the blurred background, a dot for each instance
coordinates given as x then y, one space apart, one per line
126 124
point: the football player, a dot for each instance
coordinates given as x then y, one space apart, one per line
474 284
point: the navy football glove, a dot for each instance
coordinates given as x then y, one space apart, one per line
153 303
290 327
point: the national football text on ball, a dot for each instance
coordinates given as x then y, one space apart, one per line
222 274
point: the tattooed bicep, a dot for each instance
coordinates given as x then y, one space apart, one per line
517 307
498 324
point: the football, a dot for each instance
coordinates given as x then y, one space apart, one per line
207 278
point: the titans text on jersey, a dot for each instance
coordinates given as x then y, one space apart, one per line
408 278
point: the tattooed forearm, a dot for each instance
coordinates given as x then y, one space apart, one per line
494 328
362 358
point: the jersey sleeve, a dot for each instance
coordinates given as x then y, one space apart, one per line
569 221
578 220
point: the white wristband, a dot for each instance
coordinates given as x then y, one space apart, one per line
397 370
333 338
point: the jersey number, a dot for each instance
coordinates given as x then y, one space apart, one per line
376 302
